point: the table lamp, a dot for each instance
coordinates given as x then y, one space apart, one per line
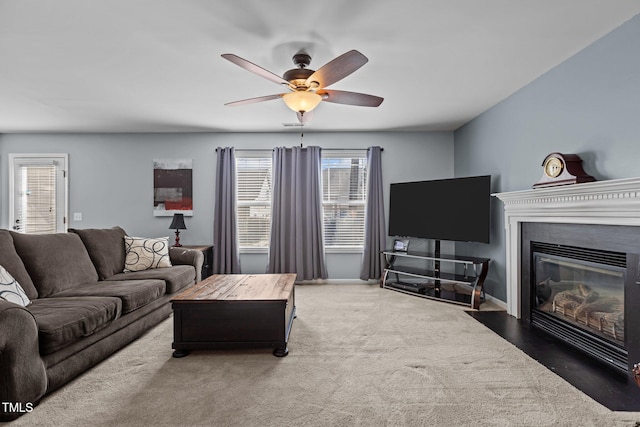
178 224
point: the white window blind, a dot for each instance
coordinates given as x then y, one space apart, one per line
253 180
344 178
37 203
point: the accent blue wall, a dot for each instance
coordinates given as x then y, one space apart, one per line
111 176
589 105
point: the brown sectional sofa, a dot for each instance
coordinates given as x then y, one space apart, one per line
83 307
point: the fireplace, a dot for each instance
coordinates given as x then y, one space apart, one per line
581 288
577 295
579 283
573 266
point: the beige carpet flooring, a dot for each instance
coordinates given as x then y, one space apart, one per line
359 356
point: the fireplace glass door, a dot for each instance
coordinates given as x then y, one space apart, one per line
586 294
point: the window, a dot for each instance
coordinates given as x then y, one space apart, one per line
344 180
344 177
38 192
253 180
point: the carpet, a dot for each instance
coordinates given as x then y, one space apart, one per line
359 355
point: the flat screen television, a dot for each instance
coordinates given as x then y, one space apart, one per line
456 209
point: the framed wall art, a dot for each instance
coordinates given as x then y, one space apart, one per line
172 187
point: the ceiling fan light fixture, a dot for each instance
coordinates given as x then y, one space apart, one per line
308 87
302 100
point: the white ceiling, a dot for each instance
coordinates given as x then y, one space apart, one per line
155 65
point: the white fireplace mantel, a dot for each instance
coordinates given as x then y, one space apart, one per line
613 202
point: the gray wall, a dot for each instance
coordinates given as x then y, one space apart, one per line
588 105
111 180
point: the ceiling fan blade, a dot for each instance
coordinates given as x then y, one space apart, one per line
256 69
350 98
254 100
305 117
338 68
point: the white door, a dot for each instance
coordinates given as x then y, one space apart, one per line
38 199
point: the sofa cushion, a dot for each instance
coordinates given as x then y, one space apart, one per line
176 277
55 262
10 289
64 321
133 293
10 260
142 253
105 247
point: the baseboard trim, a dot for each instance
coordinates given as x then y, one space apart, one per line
338 282
496 301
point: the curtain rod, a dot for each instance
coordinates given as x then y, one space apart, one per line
332 149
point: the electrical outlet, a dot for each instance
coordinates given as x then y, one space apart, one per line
77 216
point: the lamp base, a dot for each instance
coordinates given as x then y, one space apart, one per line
177 243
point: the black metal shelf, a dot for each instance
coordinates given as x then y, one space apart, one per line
431 274
457 288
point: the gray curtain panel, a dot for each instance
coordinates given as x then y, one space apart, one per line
375 237
297 243
226 259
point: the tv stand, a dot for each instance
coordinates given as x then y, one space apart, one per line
464 288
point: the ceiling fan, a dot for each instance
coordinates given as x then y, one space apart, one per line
307 88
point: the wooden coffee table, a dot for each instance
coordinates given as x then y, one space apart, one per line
235 310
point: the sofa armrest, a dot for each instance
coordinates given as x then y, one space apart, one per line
184 256
23 376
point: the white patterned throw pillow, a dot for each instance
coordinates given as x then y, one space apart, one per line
143 253
11 290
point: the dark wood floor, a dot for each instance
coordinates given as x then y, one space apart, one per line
596 380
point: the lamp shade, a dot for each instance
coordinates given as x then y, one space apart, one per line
178 222
302 100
